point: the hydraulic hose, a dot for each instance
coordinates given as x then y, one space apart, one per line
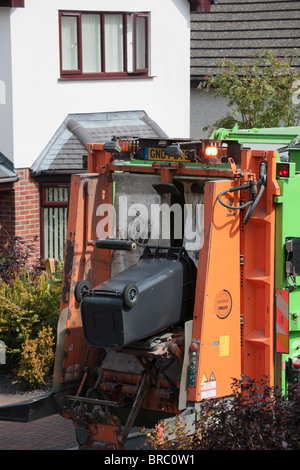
237 188
251 209
253 192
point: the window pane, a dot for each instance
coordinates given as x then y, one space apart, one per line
55 229
69 43
57 194
141 42
114 53
55 223
91 52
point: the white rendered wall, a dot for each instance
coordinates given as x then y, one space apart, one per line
6 123
41 101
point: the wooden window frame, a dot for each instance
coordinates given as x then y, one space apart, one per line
79 74
144 70
71 73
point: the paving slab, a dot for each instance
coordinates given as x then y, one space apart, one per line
50 433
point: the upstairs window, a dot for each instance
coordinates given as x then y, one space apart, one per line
95 45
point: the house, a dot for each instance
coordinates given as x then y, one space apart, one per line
99 62
235 30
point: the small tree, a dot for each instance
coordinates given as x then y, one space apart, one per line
260 93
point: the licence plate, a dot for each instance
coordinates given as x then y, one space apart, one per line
157 154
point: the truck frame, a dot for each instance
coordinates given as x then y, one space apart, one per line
244 317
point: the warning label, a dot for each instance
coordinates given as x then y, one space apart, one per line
209 389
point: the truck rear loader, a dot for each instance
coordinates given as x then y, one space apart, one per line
181 273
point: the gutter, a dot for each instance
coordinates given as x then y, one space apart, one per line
9 180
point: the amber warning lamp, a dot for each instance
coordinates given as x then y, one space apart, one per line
211 151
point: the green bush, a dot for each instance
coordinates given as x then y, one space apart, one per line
29 310
27 304
37 357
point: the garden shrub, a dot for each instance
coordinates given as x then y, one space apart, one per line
29 311
37 356
14 255
256 417
17 318
160 436
26 305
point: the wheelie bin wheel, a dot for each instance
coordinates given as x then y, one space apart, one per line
82 288
131 295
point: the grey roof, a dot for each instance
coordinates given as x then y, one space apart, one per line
7 172
64 152
237 29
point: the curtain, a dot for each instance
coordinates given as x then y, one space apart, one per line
91 50
114 50
69 41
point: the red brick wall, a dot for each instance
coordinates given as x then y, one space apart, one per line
20 212
27 210
7 215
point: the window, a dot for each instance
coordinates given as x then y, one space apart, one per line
54 220
95 45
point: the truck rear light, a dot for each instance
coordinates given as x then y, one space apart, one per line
283 170
211 151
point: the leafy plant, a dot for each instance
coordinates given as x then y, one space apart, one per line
259 93
26 306
13 257
160 436
37 357
29 310
254 418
